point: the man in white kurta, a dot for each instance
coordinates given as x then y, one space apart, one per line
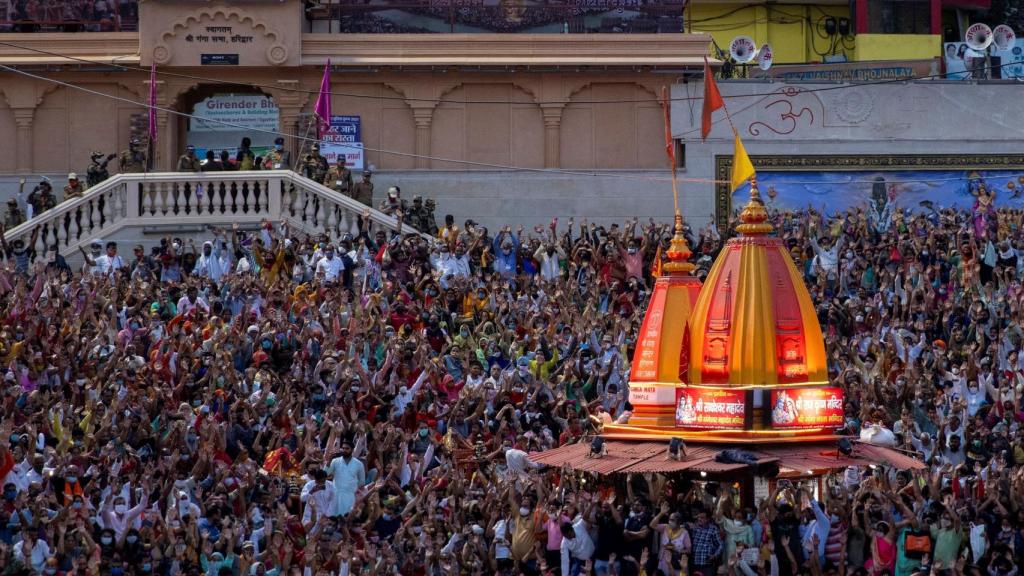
348 475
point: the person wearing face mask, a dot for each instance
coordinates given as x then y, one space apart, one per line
506 248
278 158
947 537
550 255
330 267
116 514
211 263
735 527
674 540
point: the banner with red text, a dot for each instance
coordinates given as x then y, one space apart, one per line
807 408
703 408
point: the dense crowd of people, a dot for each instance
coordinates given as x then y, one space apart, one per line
268 403
71 15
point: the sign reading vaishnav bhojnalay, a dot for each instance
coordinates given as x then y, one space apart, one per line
232 112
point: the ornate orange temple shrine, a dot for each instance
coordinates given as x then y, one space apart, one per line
741 359
738 361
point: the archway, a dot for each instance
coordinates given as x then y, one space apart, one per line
233 111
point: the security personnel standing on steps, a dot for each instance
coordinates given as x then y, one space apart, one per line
416 214
14 216
430 223
278 158
133 160
41 197
97 171
363 191
315 166
339 177
74 189
188 162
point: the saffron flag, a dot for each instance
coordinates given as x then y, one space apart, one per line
742 169
152 103
322 109
670 148
712 100
656 264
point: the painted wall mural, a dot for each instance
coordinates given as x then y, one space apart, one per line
837 183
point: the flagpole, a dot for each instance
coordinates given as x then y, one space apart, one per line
670 152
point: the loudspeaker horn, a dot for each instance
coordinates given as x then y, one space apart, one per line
742 49
978 37
765 57
1003 37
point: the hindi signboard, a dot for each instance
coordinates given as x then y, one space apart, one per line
707 408
807 408
345 136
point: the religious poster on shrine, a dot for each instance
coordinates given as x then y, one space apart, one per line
807 408
702 408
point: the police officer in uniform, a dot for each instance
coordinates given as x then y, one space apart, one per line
392 203
97 171
41 198
430 224
339 177
74 188
14 216
315 166
278 158
363 191
133 160
416 214
188 162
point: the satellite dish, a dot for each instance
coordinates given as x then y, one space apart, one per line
765 57
1003 37
978 37
742 49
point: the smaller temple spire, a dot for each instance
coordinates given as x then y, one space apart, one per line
678 252
754 217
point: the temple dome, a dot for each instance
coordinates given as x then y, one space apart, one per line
754 324
662 347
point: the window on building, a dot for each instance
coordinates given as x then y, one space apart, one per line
899 16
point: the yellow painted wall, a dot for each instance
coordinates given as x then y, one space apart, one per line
791 29
897 47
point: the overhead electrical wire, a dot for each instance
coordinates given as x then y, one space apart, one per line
466 102
555 171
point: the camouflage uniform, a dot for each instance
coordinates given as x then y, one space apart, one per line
97 171
339 179
363 191
417 215
315 166
41 198
73 191
133 160
429 223
188 162
14 216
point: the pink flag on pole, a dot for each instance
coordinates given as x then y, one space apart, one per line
152 103
322 109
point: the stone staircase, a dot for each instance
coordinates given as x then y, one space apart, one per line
142 208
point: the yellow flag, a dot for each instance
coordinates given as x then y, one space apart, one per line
742 169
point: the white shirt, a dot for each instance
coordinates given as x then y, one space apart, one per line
322 500
23 475
185 305
37 557
331 267
107 264
581 547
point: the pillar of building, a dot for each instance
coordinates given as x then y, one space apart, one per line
23 122
423 116
552 134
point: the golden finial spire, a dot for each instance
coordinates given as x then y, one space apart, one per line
754 218
678 252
